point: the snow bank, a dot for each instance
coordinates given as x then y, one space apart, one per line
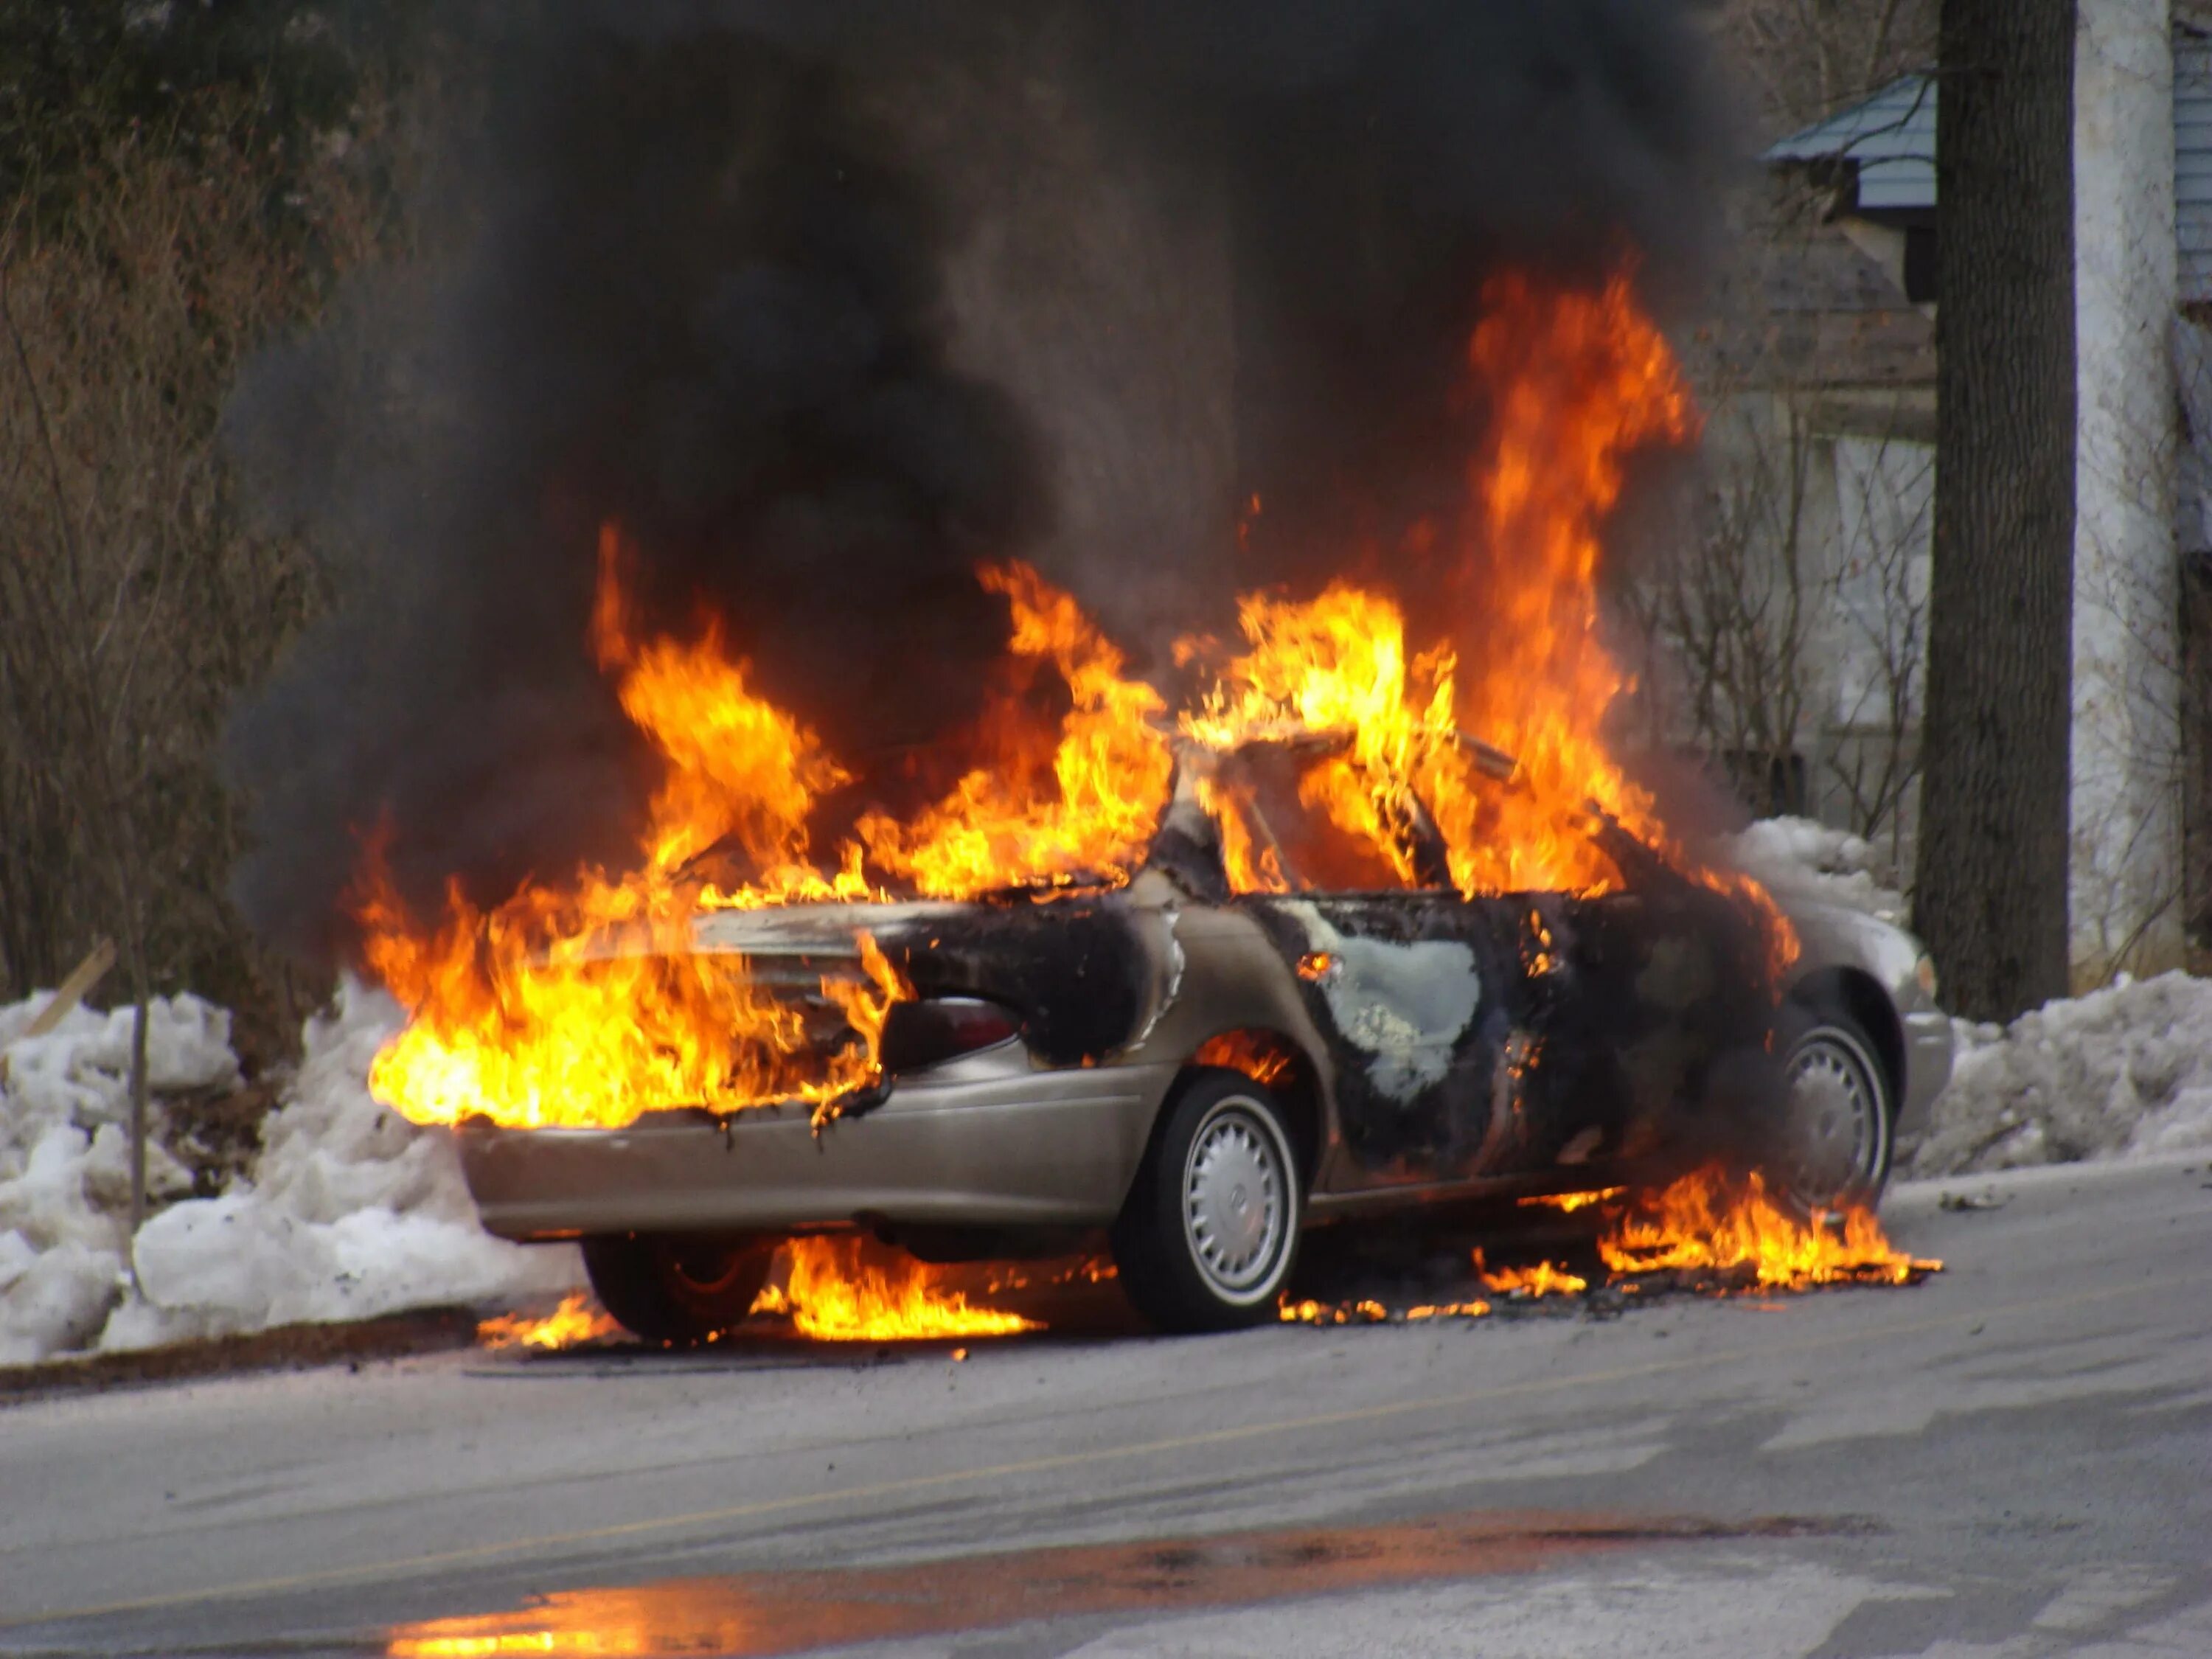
351 1212
65 1158
1798 858
2123 1073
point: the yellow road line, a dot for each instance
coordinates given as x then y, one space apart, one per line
437 1560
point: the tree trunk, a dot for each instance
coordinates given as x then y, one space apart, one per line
1991 888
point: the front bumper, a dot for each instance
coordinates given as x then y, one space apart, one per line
1927 1070
977 1144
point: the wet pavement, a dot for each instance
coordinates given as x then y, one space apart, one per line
2012 1460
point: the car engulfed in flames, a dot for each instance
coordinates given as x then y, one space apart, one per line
1363 924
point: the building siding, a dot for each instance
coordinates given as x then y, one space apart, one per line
2192 160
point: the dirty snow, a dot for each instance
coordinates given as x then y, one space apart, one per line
350 1213
2126 1071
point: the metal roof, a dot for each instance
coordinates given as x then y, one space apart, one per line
1891 137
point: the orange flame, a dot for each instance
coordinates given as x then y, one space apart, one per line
577 1321
1568 1203
830 1289
836 1289
582 1002
1260 1055
1542 1279
1080 803
586 1006
1577 381
1727 1233
1371 1312
1706 1223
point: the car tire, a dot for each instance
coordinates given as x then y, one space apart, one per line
677 1289
1832 1146
1209 1233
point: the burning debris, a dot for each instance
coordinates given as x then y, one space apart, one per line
576 1322
1541 1280
1368 1311
1715 1228
837 1289
833 1291
1709 1233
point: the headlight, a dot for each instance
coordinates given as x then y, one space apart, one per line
1923 975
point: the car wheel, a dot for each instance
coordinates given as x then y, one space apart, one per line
1833 1147
679 1288
1210 1227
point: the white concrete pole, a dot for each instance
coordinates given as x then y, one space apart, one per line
2126 786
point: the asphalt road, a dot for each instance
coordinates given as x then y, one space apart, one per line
2014 1459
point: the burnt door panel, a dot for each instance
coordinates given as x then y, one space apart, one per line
1629 1009
1411 992
1521 1033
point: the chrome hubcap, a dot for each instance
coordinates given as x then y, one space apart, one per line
1835 1119
1233 1199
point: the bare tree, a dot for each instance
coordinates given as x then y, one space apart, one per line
1807 59
1729 615
1993 848
133 600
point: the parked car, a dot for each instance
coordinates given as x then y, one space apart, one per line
1205 1074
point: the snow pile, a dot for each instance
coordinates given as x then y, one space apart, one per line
1797 859
351 1212
2123 1071
66 1157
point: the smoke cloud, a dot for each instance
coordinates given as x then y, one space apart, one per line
825 302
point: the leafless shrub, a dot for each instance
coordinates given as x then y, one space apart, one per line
1785 641
133 599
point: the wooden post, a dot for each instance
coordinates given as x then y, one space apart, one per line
74 989
138 1134
82 979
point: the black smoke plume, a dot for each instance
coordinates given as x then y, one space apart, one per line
825 302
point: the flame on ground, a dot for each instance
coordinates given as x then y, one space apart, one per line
1721 1234
1542 1279
577 1321
831 1289
1706 1223
1371 1312
836 1289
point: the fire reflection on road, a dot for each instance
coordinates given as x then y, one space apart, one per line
777 1612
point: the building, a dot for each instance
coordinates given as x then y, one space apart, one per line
1842 367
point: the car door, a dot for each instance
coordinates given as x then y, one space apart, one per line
1500 1035
1411 985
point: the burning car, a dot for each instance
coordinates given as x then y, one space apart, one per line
1204 1072
1295 949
